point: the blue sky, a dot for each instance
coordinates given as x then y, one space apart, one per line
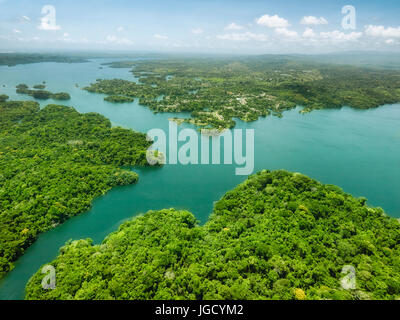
229 26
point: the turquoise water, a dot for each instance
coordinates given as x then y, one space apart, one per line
356 150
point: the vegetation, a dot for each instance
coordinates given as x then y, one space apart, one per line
13 59
3 97
53 163
216 91
118 99
39 86
41 94
60 96
278 235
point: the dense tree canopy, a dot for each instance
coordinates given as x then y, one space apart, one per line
218 90
39 93
53 163
39 86
118 99
278 235
3 97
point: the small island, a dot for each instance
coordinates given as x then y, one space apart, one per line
118 99
41 94
61 96
39 86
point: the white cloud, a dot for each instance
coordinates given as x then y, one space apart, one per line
197 31
21 39
313 21
309 33
233 26
389 41
381 31
273 21
116 40
244 36
160 36
286 33
331 36
17 31
66 35
341 36
111 38
120 29
25 19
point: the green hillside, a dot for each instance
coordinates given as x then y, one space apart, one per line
53 163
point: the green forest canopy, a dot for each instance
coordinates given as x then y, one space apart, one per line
278 235
53 163
39 93
217 90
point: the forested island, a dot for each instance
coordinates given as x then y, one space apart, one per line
278 235
217 90
118 99
41 94
39 86
3 97
53 163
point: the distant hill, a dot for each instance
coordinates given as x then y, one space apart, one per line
12 59
384 60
